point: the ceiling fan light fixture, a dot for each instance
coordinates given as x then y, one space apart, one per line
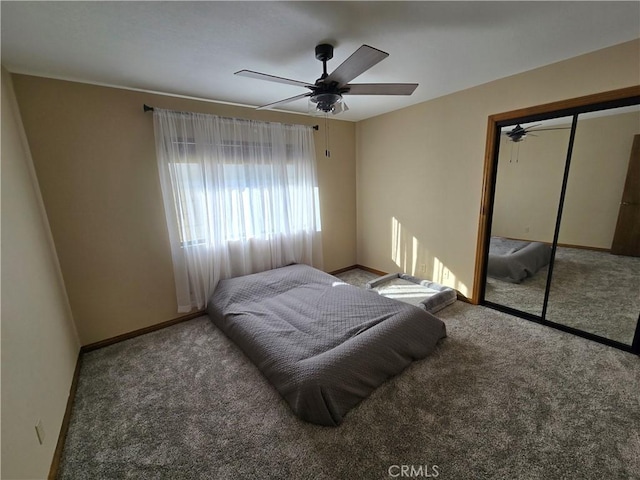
322 109
325 102
340 107
517 134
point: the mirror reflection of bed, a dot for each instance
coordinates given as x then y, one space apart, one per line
517 273
591 289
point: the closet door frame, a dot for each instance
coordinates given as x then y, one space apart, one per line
571 107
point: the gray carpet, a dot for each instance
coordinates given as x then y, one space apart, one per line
357 277
592 291
501 398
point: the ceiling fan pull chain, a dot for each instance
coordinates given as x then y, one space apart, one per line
327 151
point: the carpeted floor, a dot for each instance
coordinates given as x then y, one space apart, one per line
501 398
592 291
357 277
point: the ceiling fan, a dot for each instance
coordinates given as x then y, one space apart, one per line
518 133
327 91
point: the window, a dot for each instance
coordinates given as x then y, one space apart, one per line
239 196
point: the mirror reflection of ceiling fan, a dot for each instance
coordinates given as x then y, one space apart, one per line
327 91
519 133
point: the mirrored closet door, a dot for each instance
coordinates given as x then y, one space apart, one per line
530 164
559 238
594 288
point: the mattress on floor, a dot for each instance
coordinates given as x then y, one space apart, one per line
514 260
323 344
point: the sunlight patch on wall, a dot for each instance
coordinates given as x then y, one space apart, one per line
396 247
404 248
411 257
438 270
444 276
414 263
406 251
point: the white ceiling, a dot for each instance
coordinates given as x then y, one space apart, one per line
193 48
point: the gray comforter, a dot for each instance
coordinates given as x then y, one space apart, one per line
323 344
514 260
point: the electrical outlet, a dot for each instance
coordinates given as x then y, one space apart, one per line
423 268
40 432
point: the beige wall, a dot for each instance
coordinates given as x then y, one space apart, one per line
528 185
528 190
94 154
39 342
419 170
596 181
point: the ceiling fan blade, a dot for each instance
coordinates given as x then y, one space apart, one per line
381 88
567 127
282 102
359 62
272 78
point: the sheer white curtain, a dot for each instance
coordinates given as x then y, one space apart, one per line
240 197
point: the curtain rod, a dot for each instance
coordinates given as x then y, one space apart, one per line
147 108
